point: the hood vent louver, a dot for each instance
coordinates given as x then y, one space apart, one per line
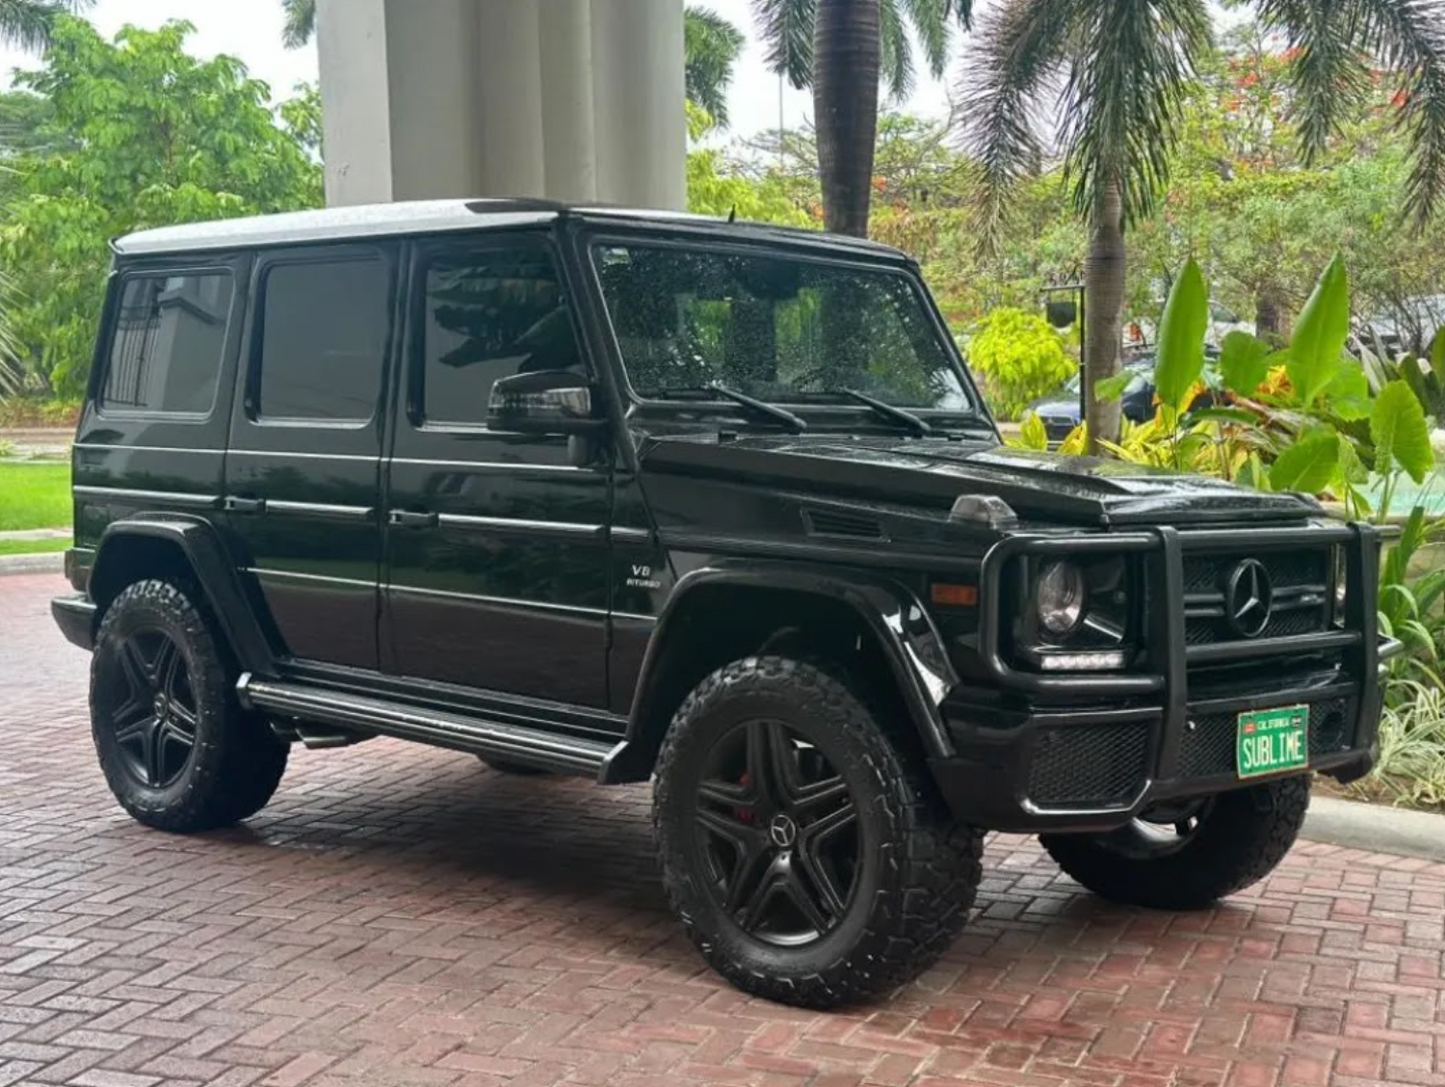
841 523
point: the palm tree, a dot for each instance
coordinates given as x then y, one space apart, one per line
712 48
1122 68
27 24
844 49
300 25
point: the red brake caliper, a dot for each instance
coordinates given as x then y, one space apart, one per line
743 815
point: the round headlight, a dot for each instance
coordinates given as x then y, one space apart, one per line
1060 598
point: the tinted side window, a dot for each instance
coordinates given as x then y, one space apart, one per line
170 336
490 314
323 340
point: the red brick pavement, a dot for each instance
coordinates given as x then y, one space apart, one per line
400 915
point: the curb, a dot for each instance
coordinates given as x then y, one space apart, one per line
50 562
1375 827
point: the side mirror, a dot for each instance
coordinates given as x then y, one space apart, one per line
544 402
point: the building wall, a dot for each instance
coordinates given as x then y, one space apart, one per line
575 100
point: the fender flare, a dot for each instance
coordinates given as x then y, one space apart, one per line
912 645
215 573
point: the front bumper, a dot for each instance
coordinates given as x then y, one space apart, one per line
1091 752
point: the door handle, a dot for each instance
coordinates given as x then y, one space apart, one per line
412 519
236 504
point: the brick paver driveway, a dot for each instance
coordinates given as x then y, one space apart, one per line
401 915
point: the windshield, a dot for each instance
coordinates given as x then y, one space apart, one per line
778 328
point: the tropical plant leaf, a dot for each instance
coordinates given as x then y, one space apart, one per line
1241 416
1077 442
1111 388
1032 434
1180 360
1348 394
1318 344
1437 355
1401 437
1309 464
1243 362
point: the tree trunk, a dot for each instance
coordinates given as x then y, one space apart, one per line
1104 297
1269 315
847 54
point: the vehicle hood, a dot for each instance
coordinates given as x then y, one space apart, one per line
1041 487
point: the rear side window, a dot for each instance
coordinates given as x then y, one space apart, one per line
323 340
491 314
170 337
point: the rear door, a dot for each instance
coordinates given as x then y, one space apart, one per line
496 542
303 470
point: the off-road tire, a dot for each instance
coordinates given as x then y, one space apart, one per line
1241 838
918 869
236 761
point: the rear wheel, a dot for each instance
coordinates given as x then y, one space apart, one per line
177 749
806 854
1187 856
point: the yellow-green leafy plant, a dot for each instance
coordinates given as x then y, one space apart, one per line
1020 357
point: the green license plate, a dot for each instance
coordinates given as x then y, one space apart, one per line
1272 741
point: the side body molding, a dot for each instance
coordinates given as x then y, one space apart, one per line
891 612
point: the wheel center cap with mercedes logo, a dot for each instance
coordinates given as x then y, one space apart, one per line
783 831
1249 599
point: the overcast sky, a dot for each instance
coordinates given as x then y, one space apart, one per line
251 30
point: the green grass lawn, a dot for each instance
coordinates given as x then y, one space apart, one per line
34 495
32 547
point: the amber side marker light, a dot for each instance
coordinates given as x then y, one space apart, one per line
955 596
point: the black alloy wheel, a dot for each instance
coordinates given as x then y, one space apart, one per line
779 830
155 723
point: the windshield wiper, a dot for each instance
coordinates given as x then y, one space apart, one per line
762 407
890 412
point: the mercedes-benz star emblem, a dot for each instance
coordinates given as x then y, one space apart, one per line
783 831
1249 598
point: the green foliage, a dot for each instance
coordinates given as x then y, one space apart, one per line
714 190
712 47
1400 433
1319 337
1180 359
1309 463
1244 363
1020 357
157 137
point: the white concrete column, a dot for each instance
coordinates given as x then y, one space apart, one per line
567 112
509 74
355 100
638 91
433 109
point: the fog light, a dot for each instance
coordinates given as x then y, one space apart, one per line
1109 660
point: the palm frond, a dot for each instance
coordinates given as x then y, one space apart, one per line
712 48
1023 45
28 24
786 27
1130 73
300 24
896 51
932 24
1408 37
1328 65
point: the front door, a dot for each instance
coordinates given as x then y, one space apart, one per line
497 572
303 470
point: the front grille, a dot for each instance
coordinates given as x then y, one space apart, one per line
1209 747
1089 766
1300 581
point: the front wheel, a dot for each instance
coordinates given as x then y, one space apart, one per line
805 853
1188 856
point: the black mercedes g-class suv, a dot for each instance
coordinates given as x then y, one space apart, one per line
640 496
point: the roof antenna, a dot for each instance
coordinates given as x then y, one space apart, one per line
733 215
